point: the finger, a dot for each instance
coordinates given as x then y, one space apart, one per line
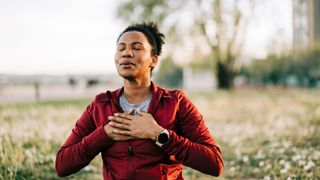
122 132
122 121
123 115
124 138
119 125
119 120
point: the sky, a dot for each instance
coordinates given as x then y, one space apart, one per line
78 36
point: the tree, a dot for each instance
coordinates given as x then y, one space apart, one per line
286 70
216 25
169 74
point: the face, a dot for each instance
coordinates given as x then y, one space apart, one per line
133 57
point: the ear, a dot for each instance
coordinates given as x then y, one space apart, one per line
154 61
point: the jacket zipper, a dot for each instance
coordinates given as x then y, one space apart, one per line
130 153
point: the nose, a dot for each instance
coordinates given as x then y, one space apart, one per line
127 53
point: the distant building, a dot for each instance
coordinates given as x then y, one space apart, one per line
306 24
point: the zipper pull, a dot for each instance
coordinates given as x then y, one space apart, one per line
130 150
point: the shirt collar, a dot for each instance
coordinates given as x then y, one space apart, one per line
115 95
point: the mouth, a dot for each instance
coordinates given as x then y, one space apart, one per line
126 64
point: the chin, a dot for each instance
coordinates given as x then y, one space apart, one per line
127 76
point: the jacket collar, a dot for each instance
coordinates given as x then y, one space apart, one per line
156 96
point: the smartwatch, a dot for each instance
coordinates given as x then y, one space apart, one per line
162 138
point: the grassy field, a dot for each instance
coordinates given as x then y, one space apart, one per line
263 134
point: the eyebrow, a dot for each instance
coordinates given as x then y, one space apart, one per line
133 43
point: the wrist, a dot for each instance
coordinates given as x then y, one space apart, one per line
162 138
156 132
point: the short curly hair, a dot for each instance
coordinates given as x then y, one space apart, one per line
151 31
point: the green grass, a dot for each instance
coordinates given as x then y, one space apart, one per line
263 134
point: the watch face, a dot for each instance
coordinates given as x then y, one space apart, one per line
163 138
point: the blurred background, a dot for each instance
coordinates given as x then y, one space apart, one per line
251 67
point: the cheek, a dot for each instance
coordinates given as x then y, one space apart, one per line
116 58
143 57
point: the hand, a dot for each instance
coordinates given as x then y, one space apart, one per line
143 126
114 136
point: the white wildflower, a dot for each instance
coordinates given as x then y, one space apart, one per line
266 177
293 176
310 165
310 174
283 171
238 152
301 162
295 150
281 150
282 162
275 144
304 152
90 168
316 155
29 153
245 159
296 157
287 165
268 166
261 163
286 144
260 155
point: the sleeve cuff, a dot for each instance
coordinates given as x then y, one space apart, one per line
169 143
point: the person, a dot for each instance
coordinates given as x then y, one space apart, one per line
141 130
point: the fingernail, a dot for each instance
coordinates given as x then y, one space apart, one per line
116 114
110 117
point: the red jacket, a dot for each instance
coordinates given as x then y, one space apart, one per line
190 142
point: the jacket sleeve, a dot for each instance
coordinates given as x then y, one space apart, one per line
194 146
83 144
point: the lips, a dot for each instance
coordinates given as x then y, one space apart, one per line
127 63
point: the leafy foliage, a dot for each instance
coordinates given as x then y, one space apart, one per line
169 74
302 71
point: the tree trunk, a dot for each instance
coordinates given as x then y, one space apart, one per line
225 75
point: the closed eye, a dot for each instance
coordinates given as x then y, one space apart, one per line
121 48
137 48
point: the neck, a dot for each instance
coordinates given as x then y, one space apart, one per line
136 91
